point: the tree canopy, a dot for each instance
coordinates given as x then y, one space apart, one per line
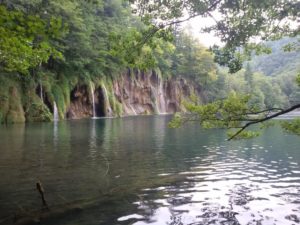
238 23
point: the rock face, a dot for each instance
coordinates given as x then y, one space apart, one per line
15 110
147 93
134 93
81 105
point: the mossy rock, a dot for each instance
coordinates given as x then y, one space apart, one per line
15 117
4 97
118 108
1 117
4 107
15 113
38 113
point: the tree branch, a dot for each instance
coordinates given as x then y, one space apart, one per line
163 26
264 119
262 111
195 15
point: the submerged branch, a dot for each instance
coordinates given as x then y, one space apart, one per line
40 189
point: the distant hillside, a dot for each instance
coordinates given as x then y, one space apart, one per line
278 62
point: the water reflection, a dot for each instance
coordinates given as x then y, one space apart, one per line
93 141
159 127
55 135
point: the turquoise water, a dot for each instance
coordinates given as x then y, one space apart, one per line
136 170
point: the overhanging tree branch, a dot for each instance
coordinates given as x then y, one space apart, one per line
265 110
162 26
263 120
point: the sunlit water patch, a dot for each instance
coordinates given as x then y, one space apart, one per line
231 190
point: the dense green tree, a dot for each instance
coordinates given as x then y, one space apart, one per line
191 59
26 40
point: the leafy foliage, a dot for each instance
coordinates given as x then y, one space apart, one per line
236 113
221 113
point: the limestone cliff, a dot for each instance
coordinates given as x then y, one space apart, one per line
133 93
147 93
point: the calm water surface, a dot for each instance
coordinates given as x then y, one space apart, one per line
137 171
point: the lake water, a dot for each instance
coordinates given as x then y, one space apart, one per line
136 170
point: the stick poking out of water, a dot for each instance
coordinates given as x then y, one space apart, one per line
40 189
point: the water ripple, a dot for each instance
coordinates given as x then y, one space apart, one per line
231 191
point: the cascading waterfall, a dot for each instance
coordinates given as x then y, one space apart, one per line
41 92
154 91
130 105
55 112
161 98
132 109
106 101
93 99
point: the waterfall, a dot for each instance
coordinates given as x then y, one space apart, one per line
132 109
55 112
108 109
41 92
130 100
161 98
130 105
154 91
93 99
